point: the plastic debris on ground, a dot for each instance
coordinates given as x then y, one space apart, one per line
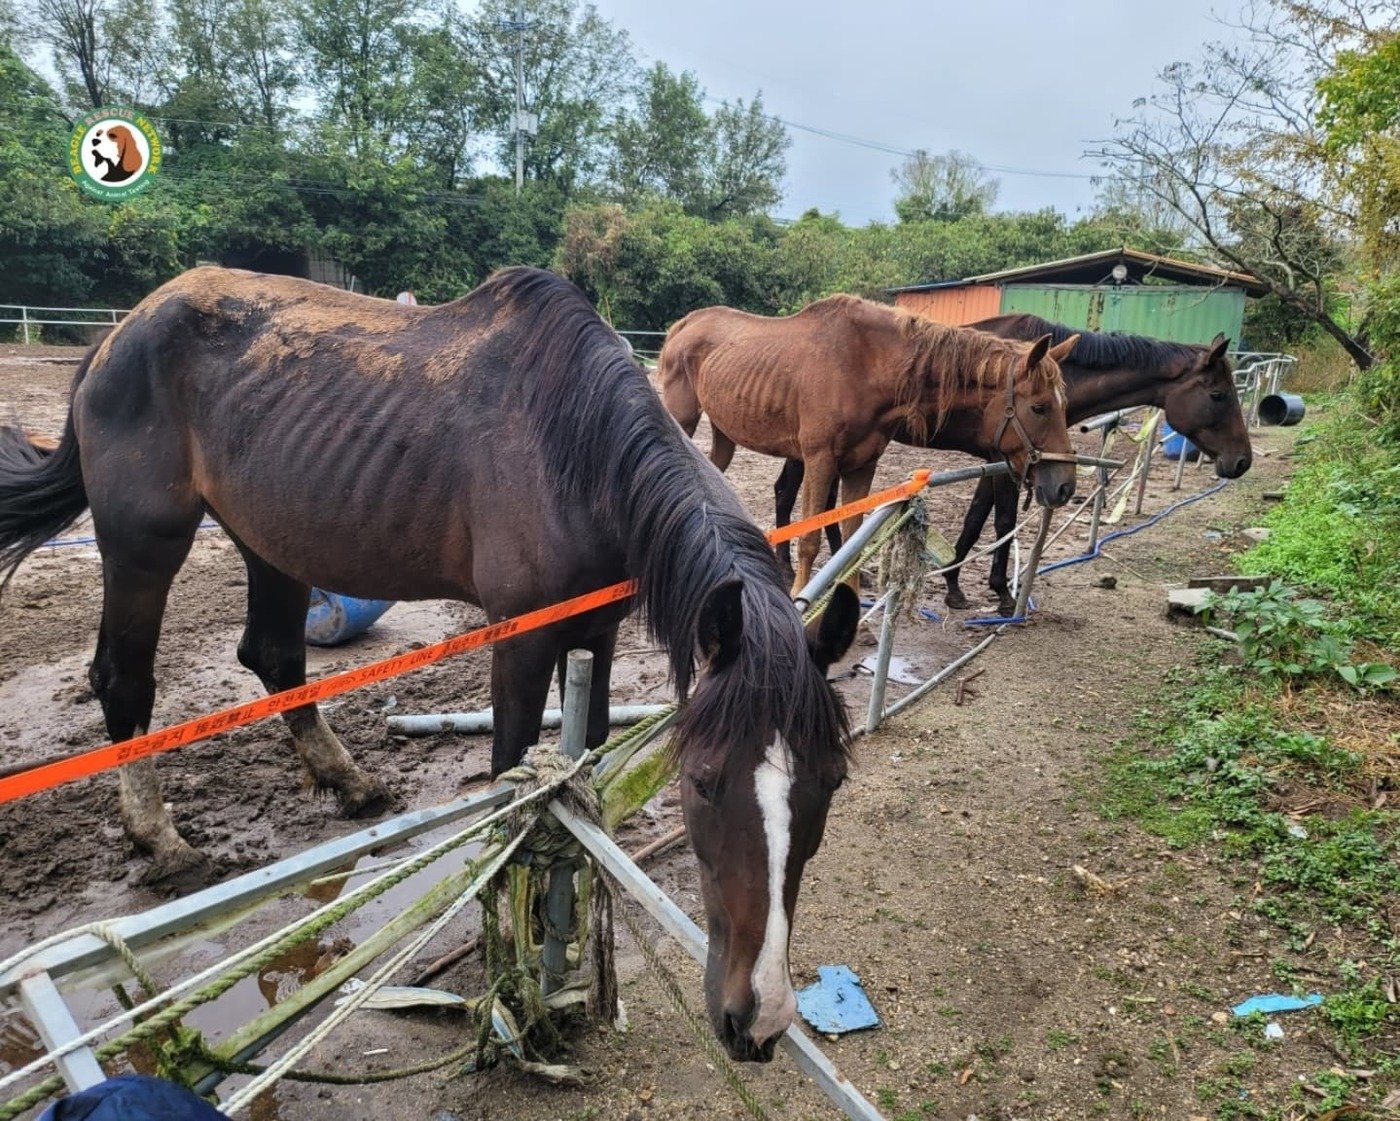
1276 1002
402 996
1273 1030
836 1004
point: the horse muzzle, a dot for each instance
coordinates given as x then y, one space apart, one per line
1233 466
739 1042
1054 483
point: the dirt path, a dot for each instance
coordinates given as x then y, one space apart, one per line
945 880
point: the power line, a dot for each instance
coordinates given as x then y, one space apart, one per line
893 150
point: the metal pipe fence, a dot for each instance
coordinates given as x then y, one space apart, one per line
31 321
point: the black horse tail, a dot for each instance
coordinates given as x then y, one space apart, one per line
41 490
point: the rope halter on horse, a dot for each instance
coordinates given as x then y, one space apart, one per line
1033 454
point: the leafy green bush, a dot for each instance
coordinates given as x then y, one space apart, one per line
1338 532
1283 636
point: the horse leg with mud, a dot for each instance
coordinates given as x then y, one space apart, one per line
136 575
973 522
274 647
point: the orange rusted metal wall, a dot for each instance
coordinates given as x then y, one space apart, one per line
953 307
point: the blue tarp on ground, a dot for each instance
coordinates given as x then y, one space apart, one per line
836 1003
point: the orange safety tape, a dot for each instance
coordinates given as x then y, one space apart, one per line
87 763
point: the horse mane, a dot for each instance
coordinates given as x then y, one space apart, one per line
604 435
1109 350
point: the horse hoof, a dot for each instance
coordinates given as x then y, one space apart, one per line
955 599
179 867
1006 606
365 799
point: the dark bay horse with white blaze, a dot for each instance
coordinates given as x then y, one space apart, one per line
1192 384
833 384
503 450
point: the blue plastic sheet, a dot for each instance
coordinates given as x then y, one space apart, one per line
836 1003
132 1097
1276 1002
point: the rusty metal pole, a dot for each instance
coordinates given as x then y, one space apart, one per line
559 897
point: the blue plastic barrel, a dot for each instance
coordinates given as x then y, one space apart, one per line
1286 409
333 619
1175 445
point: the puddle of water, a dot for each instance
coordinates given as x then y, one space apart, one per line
19 1043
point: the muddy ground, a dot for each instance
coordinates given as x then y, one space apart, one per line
944 880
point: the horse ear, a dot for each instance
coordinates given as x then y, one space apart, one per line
829 637
1060 351
1219 345
1039 349
719 631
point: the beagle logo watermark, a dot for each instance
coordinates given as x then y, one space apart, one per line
114 153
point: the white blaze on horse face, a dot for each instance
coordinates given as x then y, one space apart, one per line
771 981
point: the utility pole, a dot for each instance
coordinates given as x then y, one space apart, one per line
523 125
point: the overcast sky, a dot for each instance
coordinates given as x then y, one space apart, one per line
1025 84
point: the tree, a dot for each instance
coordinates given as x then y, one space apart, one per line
359 56
661 150
441 116
1236 148
1359 113
942 188
578 69
748 161
105 50
47 234
259 42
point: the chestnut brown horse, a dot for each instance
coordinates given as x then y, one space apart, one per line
834 383
503 450
1192 384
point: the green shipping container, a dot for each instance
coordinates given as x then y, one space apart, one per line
1177 313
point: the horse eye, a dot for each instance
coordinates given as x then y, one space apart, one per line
705 787
1219 395
1040 410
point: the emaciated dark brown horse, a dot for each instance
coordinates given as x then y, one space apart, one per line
503 450
1193 385
834 383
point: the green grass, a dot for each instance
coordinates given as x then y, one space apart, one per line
1207 770
1338 532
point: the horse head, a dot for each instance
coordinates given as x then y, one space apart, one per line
1202 405
755 796
1027 422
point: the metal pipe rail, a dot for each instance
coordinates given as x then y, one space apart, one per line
109 317
479 723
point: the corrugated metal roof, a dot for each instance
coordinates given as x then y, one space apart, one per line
1097 268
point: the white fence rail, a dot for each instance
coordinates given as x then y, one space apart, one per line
32 320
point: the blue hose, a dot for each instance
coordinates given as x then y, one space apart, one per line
59 542
998 620
1129 532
